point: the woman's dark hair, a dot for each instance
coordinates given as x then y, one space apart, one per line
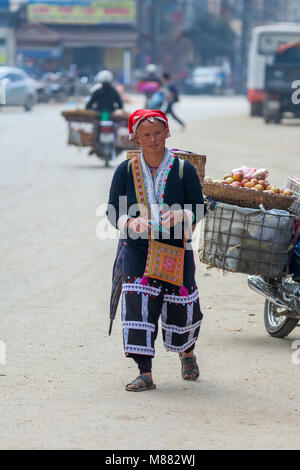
166 76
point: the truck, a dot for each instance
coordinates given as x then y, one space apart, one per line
282 84
265 40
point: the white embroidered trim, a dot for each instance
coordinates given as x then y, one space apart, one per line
122 221
179 299
140 289
138 325
179 329
190 216
187 345
154 188
136 124
139 350
143 118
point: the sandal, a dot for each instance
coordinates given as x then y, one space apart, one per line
193 369
147 385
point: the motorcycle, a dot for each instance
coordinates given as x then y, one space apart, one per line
282 303
54 86
106 142
107 134
147 88
282 295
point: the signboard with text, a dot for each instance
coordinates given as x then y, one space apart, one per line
82 12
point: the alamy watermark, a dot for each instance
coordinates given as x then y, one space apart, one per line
2 353
106 227
2 91
296 94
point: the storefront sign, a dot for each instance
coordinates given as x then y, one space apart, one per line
86 12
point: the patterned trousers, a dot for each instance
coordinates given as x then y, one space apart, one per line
142 306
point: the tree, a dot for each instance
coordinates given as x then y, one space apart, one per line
212 38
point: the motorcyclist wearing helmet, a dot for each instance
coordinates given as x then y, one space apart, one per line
150 83
105 96
152 76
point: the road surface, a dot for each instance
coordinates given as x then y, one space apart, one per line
62 386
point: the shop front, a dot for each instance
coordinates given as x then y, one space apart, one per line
92 35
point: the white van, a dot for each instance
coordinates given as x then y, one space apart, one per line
264 43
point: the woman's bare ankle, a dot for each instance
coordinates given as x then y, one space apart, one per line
189 354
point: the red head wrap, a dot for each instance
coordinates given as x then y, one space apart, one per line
140 115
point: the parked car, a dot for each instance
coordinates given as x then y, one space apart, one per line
210 80
19 88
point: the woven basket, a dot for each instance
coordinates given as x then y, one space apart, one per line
197 160
80 115
294 186
245 197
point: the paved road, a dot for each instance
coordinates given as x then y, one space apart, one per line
63 382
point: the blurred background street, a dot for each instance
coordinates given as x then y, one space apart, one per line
62 384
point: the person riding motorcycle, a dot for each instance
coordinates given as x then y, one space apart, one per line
105 96
151 74
150 83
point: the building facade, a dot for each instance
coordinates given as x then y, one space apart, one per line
91 34
7 34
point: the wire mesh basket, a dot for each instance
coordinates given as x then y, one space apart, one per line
248 241
197 160
294 186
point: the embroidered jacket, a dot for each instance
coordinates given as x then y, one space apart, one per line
185 192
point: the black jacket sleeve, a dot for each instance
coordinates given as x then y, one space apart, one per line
92 100
118 99
118 189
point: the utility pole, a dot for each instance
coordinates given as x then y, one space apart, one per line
246 26
154 29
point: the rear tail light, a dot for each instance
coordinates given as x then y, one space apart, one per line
107 129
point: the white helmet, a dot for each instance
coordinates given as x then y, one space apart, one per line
151 68
105 76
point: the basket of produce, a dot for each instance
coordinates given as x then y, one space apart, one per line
293 185
248 187
248 241
197 160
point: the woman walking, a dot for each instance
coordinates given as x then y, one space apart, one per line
163 200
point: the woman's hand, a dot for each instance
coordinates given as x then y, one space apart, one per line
171 218
138 225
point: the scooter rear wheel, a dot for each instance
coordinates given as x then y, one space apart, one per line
277 326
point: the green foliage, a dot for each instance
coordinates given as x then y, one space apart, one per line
212 37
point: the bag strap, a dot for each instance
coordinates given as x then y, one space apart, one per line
181 167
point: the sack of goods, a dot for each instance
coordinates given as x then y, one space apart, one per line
245 240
